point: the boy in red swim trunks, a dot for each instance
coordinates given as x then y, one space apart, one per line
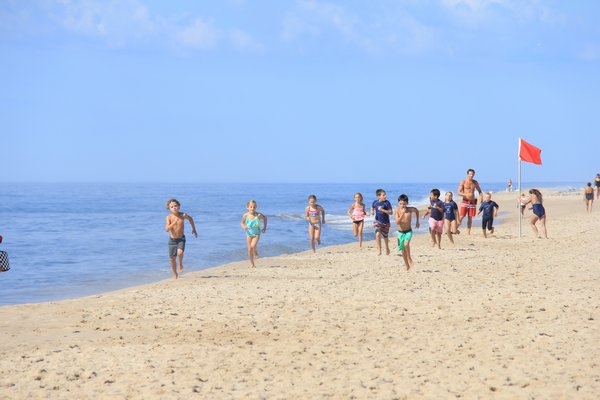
468 205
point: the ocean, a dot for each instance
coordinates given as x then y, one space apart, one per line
67 240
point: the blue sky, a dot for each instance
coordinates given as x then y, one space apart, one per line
297 91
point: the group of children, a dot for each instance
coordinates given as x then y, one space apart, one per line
441 214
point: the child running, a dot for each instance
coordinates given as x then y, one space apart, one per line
490 210
404 221
357 214
251 224
436 220
175 226
588 194
450 216
382 209
539 212
315 215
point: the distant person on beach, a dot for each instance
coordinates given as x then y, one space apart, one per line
357 214
436 220
509 185
382 209
468 205
522 203
490 210
450 216
175 226
315 215
588 193
251 224
597 184
404 221
539 213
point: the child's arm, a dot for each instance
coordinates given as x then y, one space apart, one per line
322 214
350 211
306 213
479 211
243 223
496 209
397 216
427 212
264 218
189 218
417 225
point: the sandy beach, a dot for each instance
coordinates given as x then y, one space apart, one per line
501 318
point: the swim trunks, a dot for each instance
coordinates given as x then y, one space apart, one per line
469 206
176 243
436 225
404 237
539 210
384 229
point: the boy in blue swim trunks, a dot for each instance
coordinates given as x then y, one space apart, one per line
404 221
175 226
382 209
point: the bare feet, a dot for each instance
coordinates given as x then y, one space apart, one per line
387 251
492 231
181 269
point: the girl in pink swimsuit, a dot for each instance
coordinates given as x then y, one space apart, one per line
315 215
357 214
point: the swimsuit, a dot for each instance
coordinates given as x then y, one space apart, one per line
589 196
176 243
487 219
358 214
252 226
404 236
449 209
468 205
538 209
314 214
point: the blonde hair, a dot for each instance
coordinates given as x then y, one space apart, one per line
251 202
172 201
449 193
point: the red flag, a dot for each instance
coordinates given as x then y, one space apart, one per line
529 153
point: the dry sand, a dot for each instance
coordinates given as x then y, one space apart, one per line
502 318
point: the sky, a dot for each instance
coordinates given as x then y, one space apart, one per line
298 91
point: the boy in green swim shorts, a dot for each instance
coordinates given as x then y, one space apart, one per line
404 221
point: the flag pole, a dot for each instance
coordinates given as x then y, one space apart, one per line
519 168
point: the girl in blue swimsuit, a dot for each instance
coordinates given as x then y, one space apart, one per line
251 224
539 213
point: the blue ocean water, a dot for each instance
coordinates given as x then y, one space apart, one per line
70 240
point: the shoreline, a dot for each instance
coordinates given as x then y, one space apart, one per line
500 318
423 230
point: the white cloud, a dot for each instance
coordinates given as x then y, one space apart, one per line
127 23
244 41
388 29
201 35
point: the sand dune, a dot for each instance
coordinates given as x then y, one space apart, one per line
499 318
